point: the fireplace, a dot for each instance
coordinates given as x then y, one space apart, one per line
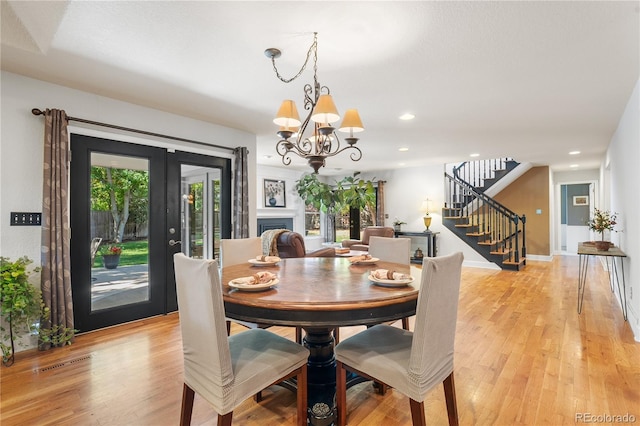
275 223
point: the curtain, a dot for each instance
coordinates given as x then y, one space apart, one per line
55 251
241 194
380 204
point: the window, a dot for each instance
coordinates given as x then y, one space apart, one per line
311 221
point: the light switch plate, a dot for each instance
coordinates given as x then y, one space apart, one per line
26 219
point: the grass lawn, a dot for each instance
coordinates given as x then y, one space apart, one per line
133 253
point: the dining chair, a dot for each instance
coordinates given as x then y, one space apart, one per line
239 250
396 250
226 370
234 252
410 362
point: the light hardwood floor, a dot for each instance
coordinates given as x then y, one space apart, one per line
523 356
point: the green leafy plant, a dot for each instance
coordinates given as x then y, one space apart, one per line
22 310
350 191
398 222
601 221
21 304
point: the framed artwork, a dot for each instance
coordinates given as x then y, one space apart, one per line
580 200
274 193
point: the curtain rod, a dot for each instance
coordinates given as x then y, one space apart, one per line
36 111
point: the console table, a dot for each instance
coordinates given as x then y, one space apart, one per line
426 241
585 251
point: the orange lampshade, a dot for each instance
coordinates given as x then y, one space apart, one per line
287 115
351 122
325 110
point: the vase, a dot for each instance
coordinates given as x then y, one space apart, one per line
111 261
602 245
397 228
272 201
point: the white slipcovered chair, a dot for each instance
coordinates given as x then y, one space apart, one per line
411 363
234 252
396 250
239 250
226 370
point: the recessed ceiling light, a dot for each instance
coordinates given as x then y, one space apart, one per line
267 156
407 116
573 166
401 164
403 149
474 155
574 153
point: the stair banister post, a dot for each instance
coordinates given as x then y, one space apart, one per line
524 236
517 251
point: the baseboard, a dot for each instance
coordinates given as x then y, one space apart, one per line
482 265
539 257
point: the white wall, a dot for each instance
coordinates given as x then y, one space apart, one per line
21 146
405 191
620 173
294 205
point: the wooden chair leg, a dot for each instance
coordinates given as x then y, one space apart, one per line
405 323
258 397
302 397
225 419
336 335
228 328
417 413
187 405
380 387
299 335
341 393
450 397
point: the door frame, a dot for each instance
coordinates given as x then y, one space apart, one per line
80 210
174 196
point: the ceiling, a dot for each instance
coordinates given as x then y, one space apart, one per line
528 80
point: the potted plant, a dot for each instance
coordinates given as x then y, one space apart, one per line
111 256
601 221
21 304
397 224
350 191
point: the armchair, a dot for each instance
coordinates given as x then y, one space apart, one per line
291 244
370 231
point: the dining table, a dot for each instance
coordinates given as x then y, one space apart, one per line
320 294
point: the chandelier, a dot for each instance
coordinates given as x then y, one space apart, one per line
321 141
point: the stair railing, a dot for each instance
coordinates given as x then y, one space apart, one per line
477 172
493 222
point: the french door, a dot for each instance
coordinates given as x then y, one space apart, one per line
139 201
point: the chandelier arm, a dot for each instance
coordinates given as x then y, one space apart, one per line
312 48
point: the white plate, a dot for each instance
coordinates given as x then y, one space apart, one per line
364 262
256 262
242 284
391 283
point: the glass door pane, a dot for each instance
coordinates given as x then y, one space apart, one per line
200 211
119 223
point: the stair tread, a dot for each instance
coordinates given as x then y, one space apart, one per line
477 234
511 262
501 252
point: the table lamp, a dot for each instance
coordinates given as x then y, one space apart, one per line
426 218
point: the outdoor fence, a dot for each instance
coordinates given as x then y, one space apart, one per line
102 227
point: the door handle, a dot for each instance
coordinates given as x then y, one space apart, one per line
174 242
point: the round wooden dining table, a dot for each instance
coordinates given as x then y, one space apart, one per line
320 294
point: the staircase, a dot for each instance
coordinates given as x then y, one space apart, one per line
489 227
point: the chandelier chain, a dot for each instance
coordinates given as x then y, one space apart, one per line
314 49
